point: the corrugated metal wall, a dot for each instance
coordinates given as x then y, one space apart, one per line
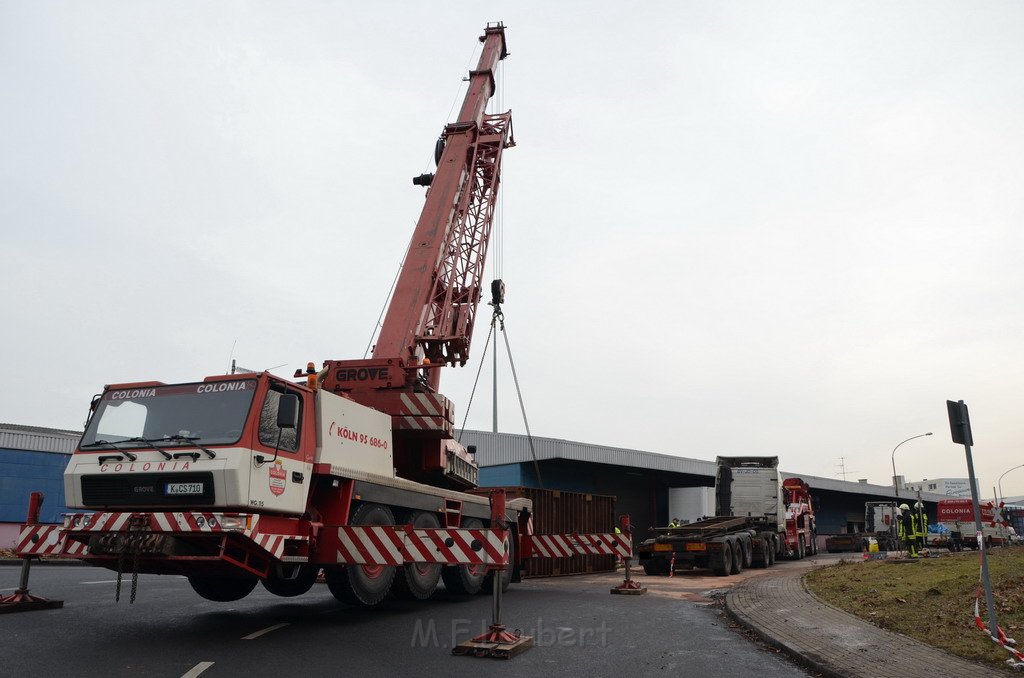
23 472
557 512
41 440
33 460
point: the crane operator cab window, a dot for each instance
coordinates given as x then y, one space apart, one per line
270 433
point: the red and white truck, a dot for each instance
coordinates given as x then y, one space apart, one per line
758 518
957 516
236 480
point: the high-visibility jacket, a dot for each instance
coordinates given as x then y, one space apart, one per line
906 528
914 530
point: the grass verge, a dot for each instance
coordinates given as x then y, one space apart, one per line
931 600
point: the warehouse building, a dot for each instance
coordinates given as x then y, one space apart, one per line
32 459
645 484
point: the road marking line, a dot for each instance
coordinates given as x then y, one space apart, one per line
254 636
13 588
197 669
108 581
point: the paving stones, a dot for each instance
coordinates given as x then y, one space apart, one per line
780 609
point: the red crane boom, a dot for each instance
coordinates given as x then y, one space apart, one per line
429 321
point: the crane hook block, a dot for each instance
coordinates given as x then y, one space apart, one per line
497 292
423 179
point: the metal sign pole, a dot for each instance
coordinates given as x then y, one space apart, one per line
960 426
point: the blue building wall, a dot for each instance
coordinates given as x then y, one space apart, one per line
23 472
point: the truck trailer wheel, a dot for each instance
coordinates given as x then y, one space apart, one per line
737 556
748 551
465 579
656 567
418 581
289 588
363 584
722 565
223 588
773 550
760 547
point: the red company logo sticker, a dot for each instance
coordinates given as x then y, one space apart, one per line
277 476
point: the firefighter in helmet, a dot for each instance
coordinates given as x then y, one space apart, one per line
908 529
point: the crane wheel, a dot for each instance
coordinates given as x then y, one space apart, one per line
364 585
465 579
418 581
289 588
223 588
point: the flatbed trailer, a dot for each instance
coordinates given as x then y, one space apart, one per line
724 544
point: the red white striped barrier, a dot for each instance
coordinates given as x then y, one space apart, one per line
46 540
386 545
567 545
57 540
1008 644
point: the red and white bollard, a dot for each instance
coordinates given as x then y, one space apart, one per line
21 600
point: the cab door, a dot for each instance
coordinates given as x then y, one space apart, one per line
282 456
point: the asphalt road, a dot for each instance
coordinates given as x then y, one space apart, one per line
170 631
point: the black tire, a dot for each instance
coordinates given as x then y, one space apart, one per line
418 581
760 556
773 551
465 579
289 588
801 551
364 585
506 574
737 557
748 552
656 567
223 588
814 544
723 566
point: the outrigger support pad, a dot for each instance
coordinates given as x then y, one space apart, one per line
629 586
497 642
21 600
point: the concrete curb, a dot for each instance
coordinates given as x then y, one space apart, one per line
813 662
913 653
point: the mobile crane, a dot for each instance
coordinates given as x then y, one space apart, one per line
355 470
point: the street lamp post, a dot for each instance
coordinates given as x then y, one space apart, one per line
1000 483
895 484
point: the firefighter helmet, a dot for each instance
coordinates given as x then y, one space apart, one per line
904 507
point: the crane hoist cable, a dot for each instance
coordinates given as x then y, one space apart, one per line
498 318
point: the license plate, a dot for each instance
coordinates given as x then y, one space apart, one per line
697 547
184 488
663 547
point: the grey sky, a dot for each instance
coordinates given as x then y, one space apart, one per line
729 228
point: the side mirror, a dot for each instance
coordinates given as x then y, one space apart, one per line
288 411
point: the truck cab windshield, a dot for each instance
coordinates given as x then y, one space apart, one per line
212 413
